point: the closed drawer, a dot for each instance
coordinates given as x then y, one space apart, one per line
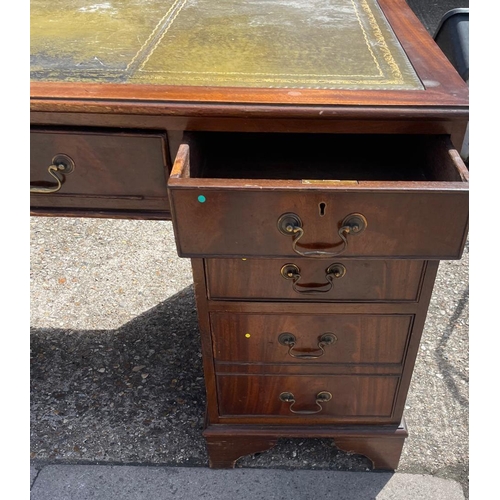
111 170
314 279
319 196
349 397
303 338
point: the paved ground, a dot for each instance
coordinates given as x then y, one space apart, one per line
86 482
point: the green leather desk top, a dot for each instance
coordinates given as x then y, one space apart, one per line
316 44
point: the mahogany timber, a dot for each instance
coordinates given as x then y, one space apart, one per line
238 217
360 338
355 398
118 170
381 444
364 280
220 320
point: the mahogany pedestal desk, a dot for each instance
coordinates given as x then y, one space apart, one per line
307 156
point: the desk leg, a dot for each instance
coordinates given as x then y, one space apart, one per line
384 452
381 444
224 451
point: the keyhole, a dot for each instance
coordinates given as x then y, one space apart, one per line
322 207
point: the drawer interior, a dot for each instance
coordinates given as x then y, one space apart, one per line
349 157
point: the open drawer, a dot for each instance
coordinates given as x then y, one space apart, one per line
283 195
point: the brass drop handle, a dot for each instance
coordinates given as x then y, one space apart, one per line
321 397
289 340
291 224
332 272
61 165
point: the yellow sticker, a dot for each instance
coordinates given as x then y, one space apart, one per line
247 335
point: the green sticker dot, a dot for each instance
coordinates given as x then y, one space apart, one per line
202 199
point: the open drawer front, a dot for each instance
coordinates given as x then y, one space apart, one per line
283 195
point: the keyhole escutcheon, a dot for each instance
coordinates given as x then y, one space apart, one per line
322 208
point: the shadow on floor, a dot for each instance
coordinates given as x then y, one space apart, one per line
136 395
